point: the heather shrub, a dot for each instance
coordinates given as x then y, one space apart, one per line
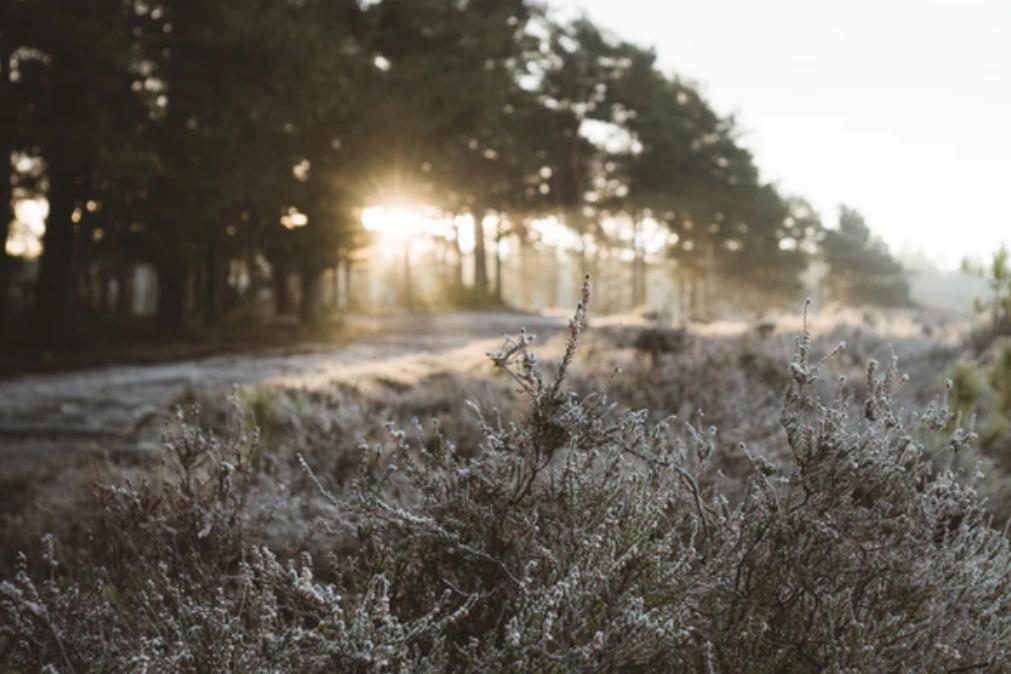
578 536
1000 376
983 388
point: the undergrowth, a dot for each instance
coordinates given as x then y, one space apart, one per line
577 536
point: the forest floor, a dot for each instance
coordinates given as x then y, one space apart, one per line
46 415
60 432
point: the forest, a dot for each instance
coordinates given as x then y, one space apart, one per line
250 156
541 372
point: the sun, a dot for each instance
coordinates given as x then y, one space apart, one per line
403 222
396 222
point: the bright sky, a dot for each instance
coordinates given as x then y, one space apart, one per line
899 108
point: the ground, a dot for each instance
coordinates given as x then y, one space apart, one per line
406 467
43 416
61 432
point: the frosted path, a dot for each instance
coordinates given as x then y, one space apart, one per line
57 413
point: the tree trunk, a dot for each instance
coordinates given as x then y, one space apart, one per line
172 276
480 258
348 297
523 252
180 286
123 290
217 277
636 232
695 300
279 279
7 141
498 261
457 265
446 268
57 268
86 287
555 280
578 217
308 310
643 278
105 290
408 281
682 298
710 281
336 286
253 273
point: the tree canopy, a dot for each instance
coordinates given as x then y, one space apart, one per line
243 138
861 270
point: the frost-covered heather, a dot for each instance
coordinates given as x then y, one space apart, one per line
565 532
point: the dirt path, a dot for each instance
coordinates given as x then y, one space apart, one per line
43 415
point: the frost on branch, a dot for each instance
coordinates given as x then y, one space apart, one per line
581 537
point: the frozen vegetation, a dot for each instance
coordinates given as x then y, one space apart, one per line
622 498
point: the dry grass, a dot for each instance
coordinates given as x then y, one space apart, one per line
514 519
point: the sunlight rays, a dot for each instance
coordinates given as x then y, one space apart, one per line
403 222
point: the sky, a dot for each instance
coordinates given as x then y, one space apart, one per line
898 108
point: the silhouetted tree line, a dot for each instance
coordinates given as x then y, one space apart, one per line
194 135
